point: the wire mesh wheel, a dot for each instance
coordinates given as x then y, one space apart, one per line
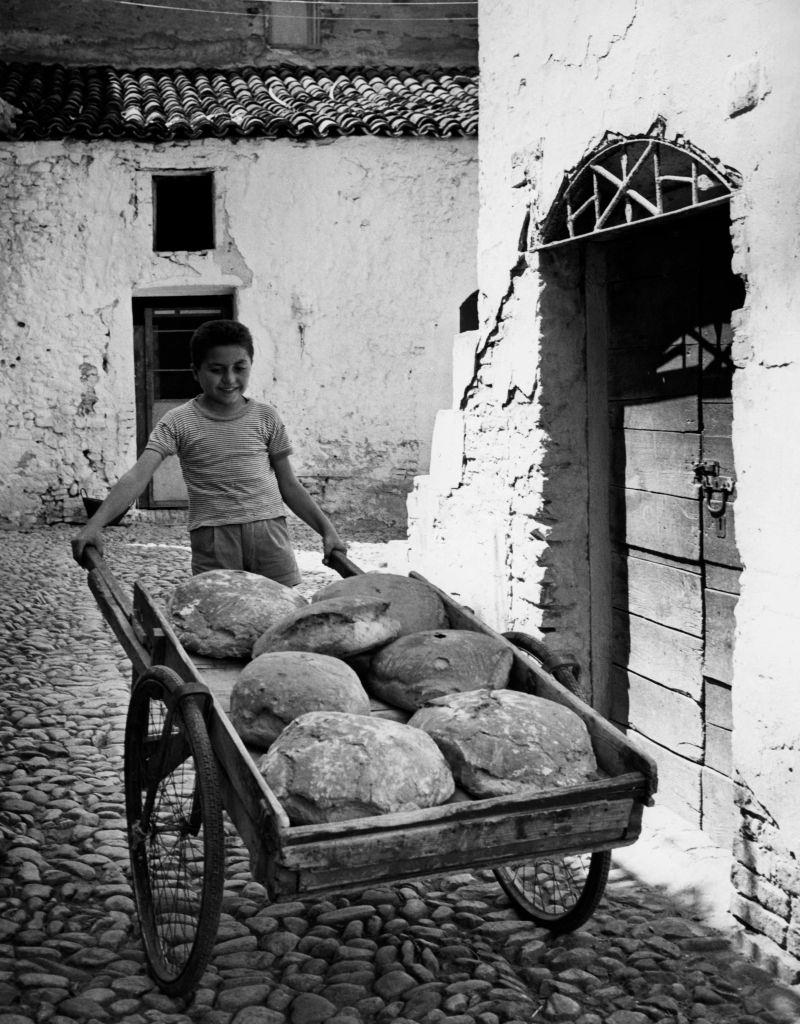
559 893
175 830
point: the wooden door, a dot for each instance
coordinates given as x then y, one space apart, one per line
162 329
673 565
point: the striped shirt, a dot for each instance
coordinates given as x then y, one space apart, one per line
227 464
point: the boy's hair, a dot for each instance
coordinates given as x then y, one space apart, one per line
219 332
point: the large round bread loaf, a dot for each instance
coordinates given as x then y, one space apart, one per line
341 627
328 766
501 741
222 612
420 667
276 688
413 603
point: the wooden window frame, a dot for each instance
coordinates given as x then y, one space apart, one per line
144 309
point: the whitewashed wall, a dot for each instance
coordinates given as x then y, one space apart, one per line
348 260
724 76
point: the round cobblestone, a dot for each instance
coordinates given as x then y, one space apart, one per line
441 949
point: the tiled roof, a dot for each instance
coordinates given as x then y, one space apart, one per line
59 102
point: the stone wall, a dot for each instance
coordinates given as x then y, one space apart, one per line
504 526
103 31
723 76
347 259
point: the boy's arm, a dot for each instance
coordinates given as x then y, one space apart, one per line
297 498
118 500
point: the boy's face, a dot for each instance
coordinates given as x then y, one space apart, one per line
224 375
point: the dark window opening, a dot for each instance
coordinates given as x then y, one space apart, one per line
468 314
183 217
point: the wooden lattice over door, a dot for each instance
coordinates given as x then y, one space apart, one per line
627 180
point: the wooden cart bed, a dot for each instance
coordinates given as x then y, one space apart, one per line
461 834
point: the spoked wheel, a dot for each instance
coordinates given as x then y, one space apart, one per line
175 830
559 893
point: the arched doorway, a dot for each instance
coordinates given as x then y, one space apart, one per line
652 220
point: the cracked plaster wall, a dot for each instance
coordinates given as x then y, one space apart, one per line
348 261
723 76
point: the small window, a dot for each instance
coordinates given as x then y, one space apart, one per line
183 207
295 26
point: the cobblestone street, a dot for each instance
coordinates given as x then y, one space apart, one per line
449 949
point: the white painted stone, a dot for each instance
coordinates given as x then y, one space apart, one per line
448 445
464 347
747 86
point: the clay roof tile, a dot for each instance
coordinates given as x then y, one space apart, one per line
159 104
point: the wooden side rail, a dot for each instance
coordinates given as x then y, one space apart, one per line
116 608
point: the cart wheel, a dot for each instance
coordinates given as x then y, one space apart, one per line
175 831
559 893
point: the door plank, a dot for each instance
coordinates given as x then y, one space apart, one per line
717 417
722 577
663 593
635 301
656 522
679 413
719 709
666 717
720 816
718 749
678 779
654 372
658 653
656 460
720 624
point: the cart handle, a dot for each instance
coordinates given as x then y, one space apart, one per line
341 563
116 606
92 559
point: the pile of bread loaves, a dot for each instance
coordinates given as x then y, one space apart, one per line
303 698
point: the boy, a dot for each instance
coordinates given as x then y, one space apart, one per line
234 454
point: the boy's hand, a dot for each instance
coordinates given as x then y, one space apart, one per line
89 536
331 541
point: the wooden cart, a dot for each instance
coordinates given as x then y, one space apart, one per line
185 765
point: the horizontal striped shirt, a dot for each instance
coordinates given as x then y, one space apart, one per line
227 464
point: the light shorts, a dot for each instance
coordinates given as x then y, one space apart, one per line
262 547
